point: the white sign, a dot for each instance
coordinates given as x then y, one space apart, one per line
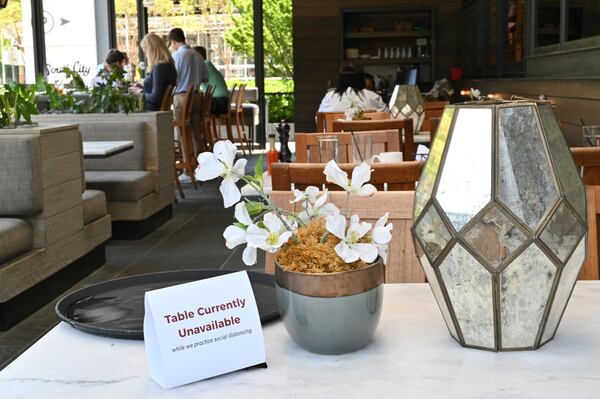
202 329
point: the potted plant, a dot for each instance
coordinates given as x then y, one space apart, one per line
329 272
18 102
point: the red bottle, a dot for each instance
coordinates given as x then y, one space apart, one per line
272 154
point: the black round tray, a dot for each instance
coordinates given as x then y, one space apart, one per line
115 308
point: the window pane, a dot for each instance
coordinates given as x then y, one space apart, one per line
584 19
16 43
127 28
547 22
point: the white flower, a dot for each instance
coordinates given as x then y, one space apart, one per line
349 248
318 208
220 163
310 194
360 175
237 234
270 237
382 235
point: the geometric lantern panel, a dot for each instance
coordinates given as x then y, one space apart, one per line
432 232
566 172
525 183
524 290
563 232
568 278
434 160
495 237
465 183
469 287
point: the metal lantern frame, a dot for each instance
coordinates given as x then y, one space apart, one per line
532 236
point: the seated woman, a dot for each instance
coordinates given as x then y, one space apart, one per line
162 71
350 92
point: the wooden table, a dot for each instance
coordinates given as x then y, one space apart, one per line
105 149
411 356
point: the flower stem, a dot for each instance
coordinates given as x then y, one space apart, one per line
271 206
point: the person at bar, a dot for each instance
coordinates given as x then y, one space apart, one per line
220 97
350 92
162 72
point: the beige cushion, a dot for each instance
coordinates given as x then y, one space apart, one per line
94 205
134 159
16 238
20 175
128 185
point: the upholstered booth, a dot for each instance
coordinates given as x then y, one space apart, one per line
52 232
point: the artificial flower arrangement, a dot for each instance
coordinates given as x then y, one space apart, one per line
317 239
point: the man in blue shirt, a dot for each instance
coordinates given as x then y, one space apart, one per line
190 71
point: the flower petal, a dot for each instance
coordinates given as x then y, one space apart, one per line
311 193
382 250
239 168
283 238
367 252
336 225
272 222
231 193
360 175
298 196
321 200
328 209
347 254
209 167
225 151
333 174
234 236
242 215
256 236
366 191
249 256
381 235
382 220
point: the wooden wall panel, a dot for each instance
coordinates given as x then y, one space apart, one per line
317 28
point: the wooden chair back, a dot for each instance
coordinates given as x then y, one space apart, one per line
167 99
433 124
307 144
587 159
402 265
207 96
400 176
433 109
325 119
230 101
239 97
404 129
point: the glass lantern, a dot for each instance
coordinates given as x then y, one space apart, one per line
500 223
407 103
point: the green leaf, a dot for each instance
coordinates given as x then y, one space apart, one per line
254 207
240 225
258 169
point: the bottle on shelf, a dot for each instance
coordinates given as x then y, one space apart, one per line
272 154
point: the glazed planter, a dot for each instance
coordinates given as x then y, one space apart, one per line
334 313
500 223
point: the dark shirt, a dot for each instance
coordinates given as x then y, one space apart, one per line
155 84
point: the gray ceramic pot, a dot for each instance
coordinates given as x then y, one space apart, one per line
331 314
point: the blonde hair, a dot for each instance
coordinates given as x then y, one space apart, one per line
156 50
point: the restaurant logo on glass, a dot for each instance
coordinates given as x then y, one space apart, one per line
201 329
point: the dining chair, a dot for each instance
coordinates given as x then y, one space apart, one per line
165 105
401 176
325 119
402 264
587 160
404 129
206 119
307 144
185 160
433 109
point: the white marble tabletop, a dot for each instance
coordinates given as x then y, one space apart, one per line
104 149
411 356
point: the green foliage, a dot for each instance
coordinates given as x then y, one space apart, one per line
18 102
111 95
59 101
277 25
281 107
258 169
